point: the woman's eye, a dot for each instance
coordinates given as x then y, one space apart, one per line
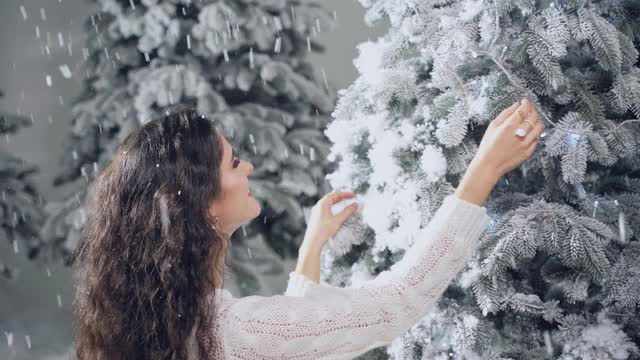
236 161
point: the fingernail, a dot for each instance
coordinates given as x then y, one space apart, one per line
521 132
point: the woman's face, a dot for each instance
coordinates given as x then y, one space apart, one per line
235 206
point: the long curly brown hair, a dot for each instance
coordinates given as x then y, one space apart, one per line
149 247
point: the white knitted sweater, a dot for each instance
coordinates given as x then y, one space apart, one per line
322 322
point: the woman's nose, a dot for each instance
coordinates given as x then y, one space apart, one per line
250 167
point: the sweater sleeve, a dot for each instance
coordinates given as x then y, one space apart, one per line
341 323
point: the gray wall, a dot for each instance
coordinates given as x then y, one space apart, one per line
29 304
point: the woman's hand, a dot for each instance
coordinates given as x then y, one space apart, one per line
323 224
500 151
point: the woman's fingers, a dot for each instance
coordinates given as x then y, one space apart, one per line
533 134
337 196
505 114
527 125
346 213
518 116
531 148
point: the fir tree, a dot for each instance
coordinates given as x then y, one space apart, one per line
21 214
242 62
556 274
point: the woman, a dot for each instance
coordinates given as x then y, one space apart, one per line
160 217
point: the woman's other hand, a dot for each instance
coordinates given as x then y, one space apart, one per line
500 151
323 224
501 148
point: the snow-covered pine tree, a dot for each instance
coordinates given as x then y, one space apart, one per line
21 214
243 62
557 272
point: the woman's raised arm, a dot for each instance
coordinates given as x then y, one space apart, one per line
500 150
